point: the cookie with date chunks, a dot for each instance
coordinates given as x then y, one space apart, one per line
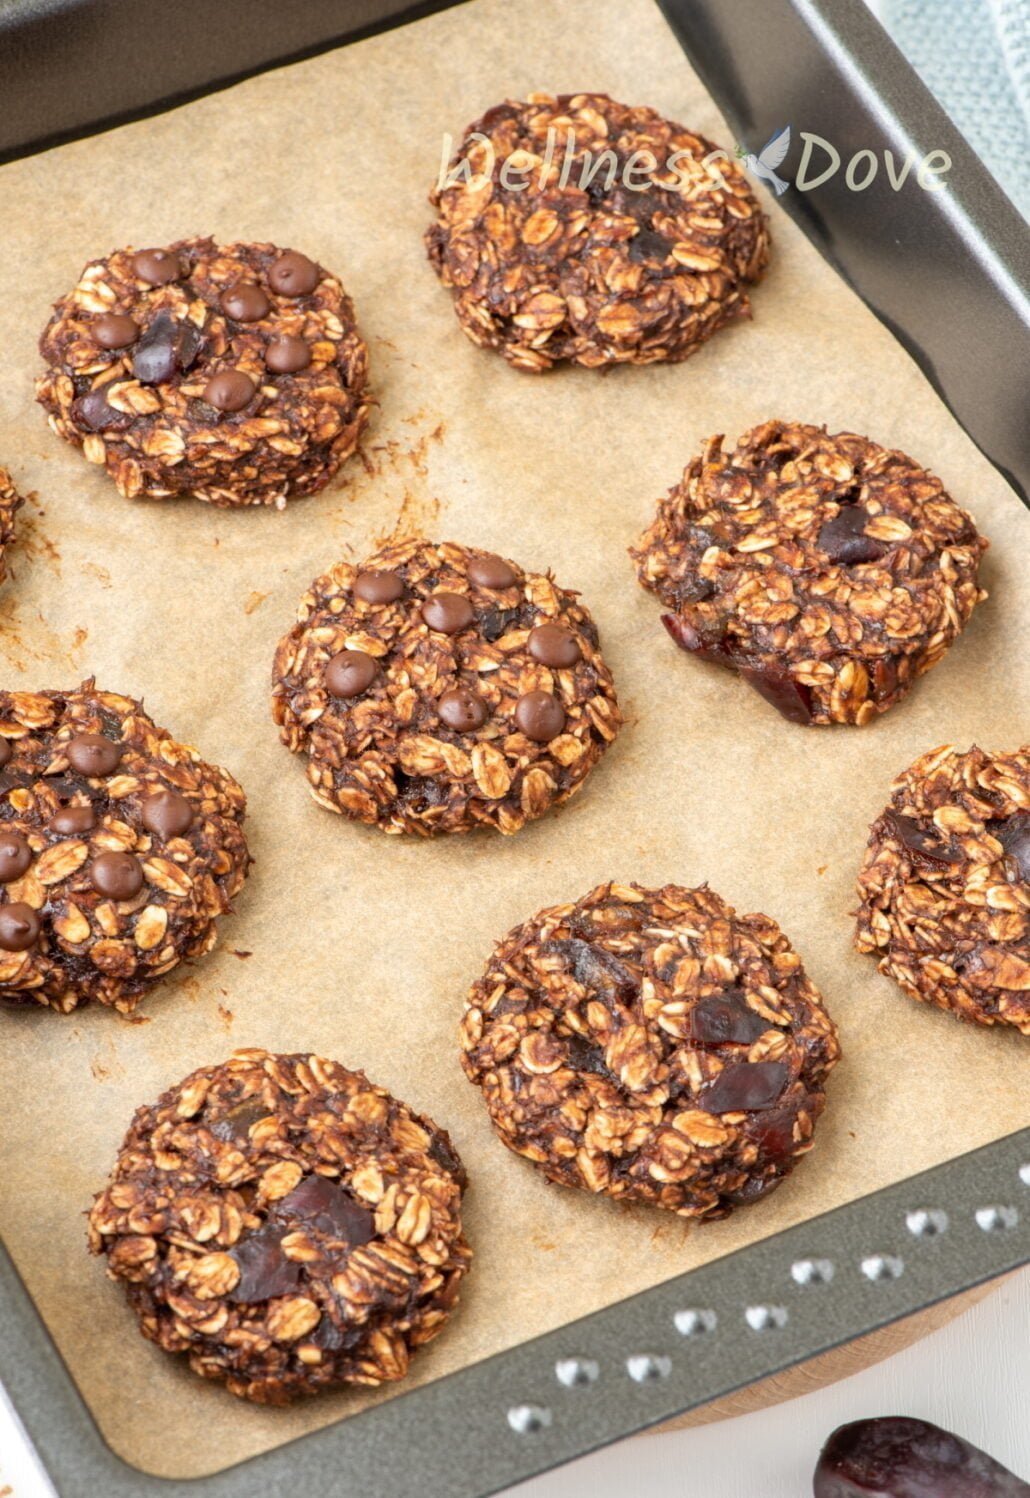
827 571
286 1224
577 229
120 849
652 1045
945 885
235 373
435 689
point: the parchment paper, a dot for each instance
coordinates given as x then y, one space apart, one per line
361 946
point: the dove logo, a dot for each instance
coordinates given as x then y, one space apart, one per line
768 159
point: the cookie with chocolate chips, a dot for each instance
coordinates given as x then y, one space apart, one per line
120 849
827 571
579 229
435 689
235 373
652 1045
10 503
945 885
285 1224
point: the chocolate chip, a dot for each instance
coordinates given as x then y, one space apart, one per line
93 755
119 876
229 390
287 354
792 699
19 927
723 1019
265 1271
93 412
156 267
378 587
844 540
237 1122
166 814
114 330
553 645
745 1085
448 613
70 821
244 302
491 572
15 856
350 672
647 245
324 1204
540 716
462 709
929 845
443 1153
165 347
1014 835
5 751
293 274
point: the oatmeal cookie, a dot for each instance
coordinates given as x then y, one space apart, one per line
577 228
286 1224
119 849
10 503
829 572
436 689
945 885
234 373
653 1045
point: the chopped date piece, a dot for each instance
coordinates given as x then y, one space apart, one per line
93 412
237 1123
678 1117
165 349
446 1156
322 1204
928 846
1014 836
265 1271
901 1457
753 550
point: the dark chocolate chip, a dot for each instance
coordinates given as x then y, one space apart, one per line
166 814
462 709
165 347
229 390
293 274
321 1203
553 645
15 856
447 613
19 927
491 572
70 821
724 1019
156 267
792 699
265 1271
378 587
287 354
1014 835
743 1086
844 540
931 846
93 755
648 245
237 1123
540 716
350 672
93 412
119 876
114 330
244 302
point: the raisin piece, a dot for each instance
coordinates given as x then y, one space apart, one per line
745 1085
724 1019
899 1457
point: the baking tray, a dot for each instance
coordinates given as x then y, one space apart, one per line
662 1352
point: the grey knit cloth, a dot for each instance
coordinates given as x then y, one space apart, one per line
975 56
